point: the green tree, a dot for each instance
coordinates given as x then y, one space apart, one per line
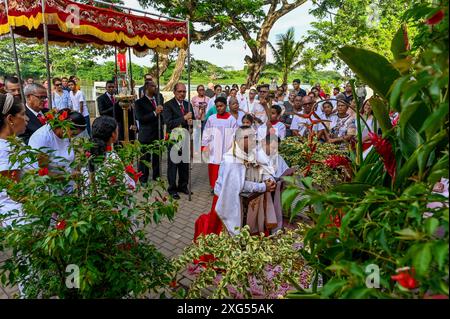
251 20
362 23
287 53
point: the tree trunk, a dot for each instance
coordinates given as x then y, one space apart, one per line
163 64
178 70
257 62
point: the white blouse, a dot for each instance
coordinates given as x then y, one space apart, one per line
7 205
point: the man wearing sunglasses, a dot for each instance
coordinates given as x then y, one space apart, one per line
35 95
61 97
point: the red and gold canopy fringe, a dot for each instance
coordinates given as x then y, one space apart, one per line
72 22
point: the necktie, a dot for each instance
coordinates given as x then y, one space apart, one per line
113 100
41 119
182 109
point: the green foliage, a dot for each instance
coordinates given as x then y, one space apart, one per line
391 222
241 258
99 228
360 23
287 53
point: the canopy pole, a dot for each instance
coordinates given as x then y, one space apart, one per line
116 81
189 102
47 58
158 102
15 55
132 88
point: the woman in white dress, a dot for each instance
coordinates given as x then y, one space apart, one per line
13 122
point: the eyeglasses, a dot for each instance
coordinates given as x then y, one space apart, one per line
40 97
181 91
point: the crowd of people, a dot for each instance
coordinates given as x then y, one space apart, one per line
241 128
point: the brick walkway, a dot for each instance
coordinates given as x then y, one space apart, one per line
169 237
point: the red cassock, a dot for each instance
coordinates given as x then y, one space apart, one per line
213 173
206 224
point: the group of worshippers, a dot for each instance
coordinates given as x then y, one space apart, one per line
53 141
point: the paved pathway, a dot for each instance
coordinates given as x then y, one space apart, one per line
169 237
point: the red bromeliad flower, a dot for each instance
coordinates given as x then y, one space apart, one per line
87 154
173 284
435 18
130 170
63 116
61 225
334 161
384 149
113 180
405 278
43 171
108 148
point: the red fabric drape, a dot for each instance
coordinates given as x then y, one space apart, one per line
213 173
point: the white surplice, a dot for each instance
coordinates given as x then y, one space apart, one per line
218 136
238 173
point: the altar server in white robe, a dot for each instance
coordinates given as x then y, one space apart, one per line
274 126
281 169
218 137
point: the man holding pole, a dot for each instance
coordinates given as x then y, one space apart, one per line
148 109
178 115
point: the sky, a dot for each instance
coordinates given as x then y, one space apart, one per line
233 52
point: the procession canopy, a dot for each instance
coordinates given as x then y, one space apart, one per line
71 22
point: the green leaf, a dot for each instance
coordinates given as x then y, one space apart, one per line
332 286
396 90
422 259
352 188
440 253
398 46
381 113
408 234
288 196
431 224
372 68
434 121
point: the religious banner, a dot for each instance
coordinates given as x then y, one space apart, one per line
72 22
122 62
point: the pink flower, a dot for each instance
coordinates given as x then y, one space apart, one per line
384 149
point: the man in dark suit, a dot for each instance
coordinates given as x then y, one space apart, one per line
108 105
148 109
35 95
177 113
147 77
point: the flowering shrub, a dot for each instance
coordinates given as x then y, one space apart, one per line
85 220
245 266
386 234
295 152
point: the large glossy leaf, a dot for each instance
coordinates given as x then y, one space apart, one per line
372 68
399 44
422 259
434 121
352 188
423 151
381 113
